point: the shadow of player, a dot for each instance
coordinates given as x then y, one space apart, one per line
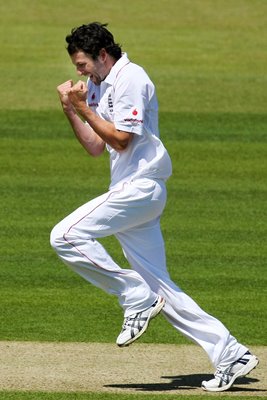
184 382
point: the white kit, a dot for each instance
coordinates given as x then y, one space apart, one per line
131 211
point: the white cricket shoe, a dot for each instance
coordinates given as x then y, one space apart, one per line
136 324
225 377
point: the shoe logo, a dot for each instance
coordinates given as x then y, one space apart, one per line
135 322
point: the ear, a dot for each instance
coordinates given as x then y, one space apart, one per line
103 55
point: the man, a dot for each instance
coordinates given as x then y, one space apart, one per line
117 110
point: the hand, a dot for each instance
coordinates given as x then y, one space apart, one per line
63 92
78 95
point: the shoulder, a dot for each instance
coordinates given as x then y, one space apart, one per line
133 74
131 68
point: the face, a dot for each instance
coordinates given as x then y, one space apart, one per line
86 66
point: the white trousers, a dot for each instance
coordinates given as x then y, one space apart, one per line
132 213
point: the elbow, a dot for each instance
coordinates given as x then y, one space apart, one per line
121 146
122 143
95 151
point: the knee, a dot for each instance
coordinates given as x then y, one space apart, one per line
62 237
57 238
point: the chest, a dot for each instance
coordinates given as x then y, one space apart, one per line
101 100
106 102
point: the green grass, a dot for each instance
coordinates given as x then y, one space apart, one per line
106 396
208 60
213 225
204 56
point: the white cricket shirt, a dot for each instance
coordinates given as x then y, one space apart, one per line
127 98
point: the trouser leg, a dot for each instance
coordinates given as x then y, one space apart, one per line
147 257
74 240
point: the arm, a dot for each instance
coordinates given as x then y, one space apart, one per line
118 140
92 143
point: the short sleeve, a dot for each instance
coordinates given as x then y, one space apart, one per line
130 101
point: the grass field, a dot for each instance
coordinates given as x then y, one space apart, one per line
97 396
208 60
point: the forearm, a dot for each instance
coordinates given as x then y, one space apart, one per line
91 141
106 130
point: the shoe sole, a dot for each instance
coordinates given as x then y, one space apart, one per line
251 364
154 312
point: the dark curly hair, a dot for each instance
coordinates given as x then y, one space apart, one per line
91 39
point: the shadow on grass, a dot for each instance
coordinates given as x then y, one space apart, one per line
185 382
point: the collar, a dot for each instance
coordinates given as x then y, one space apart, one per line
113 73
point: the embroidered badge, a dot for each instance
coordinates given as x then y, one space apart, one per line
110 103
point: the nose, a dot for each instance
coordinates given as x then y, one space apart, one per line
79 73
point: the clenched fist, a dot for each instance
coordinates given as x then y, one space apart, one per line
78 94
63 92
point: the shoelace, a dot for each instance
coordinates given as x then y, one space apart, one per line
132 321
224 375
127 322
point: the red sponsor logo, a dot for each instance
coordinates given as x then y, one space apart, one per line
135 112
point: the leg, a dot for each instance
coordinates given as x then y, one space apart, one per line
74 241
144 249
